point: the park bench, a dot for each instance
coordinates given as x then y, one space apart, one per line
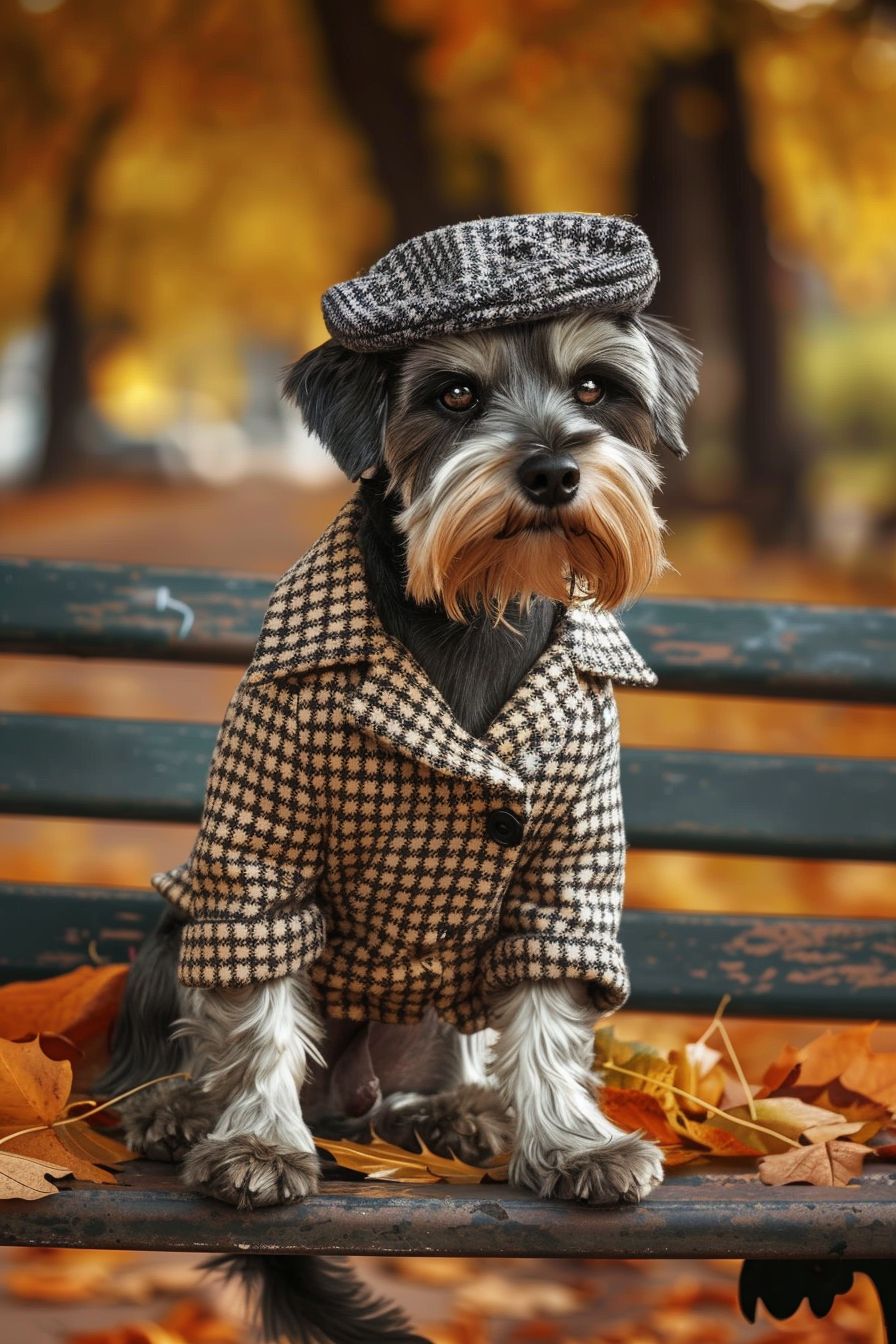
795 1240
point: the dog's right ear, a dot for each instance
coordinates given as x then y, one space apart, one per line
341 394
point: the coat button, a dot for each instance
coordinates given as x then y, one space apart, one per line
504 827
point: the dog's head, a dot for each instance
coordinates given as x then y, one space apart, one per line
523 457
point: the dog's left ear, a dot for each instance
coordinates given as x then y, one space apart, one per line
342 396
677 364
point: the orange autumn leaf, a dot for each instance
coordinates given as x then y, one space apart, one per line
631 1110
33 1088
718 1141
34 1091
842 1061
23 1178
76 1006
82 1149
381 1161
833 1163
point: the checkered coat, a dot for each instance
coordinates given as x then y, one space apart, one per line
354 829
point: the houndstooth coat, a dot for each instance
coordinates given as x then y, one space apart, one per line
353 828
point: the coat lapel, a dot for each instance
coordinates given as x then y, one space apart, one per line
320 615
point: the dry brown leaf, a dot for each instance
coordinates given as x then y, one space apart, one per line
34 1091
787 1116
838 1060
831 1163
33 1088
77 1006
381 1161
24 1178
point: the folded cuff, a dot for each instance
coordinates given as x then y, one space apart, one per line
524 957
218 954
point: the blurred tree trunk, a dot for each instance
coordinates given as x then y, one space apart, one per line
371 65
709 188
72 425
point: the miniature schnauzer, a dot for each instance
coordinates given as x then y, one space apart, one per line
503 472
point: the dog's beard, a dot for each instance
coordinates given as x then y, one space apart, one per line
474 543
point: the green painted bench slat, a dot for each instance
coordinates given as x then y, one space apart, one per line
823 807
201 616
707 1211
680 962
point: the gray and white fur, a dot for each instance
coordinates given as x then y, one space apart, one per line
501 470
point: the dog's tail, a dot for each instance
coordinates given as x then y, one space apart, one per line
312 1300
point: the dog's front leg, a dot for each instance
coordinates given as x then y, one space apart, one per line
543 1058
250 1053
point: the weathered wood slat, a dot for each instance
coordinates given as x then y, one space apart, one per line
148 1210
201 616
823 807
679 962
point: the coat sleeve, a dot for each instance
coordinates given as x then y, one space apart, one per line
561 915
248 887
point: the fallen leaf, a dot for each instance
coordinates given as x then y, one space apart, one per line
632 1110
34 1091
831 1163
33 1088
839 1060
787 1116
654 1072
77 1006
698 1070
381 1161
23 1178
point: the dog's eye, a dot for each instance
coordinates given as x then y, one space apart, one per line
589 392
458 397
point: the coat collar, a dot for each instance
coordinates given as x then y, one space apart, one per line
320 615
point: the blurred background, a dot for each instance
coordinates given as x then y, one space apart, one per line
181 179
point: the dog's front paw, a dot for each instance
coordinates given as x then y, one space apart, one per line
249 1172
164 1123
622 1170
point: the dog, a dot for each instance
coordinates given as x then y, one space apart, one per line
507 479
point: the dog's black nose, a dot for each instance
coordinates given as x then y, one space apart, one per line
549 478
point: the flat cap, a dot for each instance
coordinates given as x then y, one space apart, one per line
490 272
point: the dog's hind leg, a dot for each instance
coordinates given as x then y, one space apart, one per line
163 1121
251 1049
466 1117
565 1146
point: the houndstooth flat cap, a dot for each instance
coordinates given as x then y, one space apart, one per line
490 272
